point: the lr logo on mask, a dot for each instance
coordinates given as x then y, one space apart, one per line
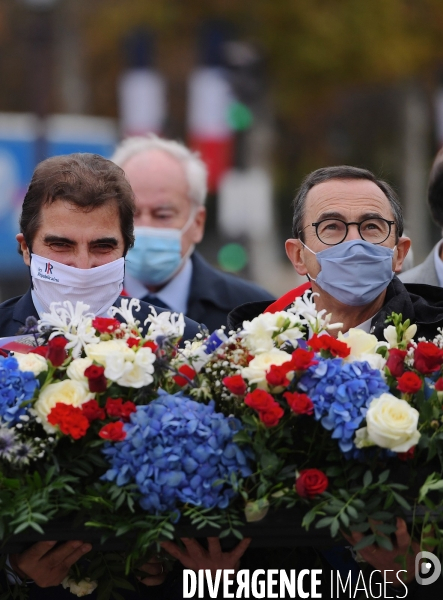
427 568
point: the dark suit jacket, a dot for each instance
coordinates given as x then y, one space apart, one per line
14 312
213 294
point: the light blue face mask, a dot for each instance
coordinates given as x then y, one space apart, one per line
354 272
156 255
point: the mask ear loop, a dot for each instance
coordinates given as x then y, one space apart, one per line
314 253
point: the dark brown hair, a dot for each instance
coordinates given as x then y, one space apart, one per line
88 181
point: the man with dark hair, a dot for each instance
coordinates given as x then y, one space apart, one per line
348 241
75 230
430 271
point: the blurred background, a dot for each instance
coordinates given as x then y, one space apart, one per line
265 90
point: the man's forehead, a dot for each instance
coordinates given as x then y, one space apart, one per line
347 195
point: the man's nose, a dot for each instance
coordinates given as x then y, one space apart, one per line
353 233
82 260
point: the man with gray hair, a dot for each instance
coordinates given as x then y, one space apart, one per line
170 185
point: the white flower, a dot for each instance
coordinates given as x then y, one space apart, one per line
82 588
409 333
306 311
122 364
125 310
101 351
258 333
392 423
359 342
31 362
69 392
165 324
390 333
256 371
375 361
77 368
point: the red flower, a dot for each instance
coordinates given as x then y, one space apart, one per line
151 345
407 455
330 344
310 483
272 415
259 400
56 351
277 374
235 384
70 419
104 325
301 404
127 409
302 359
439 385
92 410
40 350
96 378
427 357
409 383
395 362
113 432
188 372
132 341
115 407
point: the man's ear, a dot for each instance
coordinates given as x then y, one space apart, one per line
198 225
403 245
24 248
295 252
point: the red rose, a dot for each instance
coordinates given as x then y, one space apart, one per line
56 351
277 374
409 383
329 344
259 400
310 483
301 404
396 362
70 419
92 411
96 378
302 359
188 373
272 415
427 357
439 385
113 432
407 455
235 384
104 325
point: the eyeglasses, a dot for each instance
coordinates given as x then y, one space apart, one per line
334 231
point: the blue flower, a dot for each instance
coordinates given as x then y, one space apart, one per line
341 393
178 450
16 387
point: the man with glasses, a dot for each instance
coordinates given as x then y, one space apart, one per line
348 241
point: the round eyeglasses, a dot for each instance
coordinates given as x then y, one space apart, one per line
334 231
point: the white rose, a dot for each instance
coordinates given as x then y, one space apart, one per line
82 588
101 351
77 368
359 342
69 392
392 423
31 362
256 371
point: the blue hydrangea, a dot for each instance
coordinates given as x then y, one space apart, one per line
178 450
341 393
15 388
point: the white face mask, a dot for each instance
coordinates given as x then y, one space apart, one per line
99 287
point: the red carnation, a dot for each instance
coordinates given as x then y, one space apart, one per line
277 374
259 400
310 483
70 419
92 411
189 374
329 344
409 383
115 407
104 325
127 409
235 384
132 341
396 362
272 415
56 352
150 344
96 378
113 432
302 359
427 357
301 404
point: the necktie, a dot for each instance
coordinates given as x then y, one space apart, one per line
151 299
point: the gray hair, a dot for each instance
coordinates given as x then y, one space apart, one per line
195 169
341 172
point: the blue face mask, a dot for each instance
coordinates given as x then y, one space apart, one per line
156 255
354 272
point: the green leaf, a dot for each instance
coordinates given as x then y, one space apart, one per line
364 542
367 479
325 522
404 503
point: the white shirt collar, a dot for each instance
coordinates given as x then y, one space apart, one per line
438 262
175 293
